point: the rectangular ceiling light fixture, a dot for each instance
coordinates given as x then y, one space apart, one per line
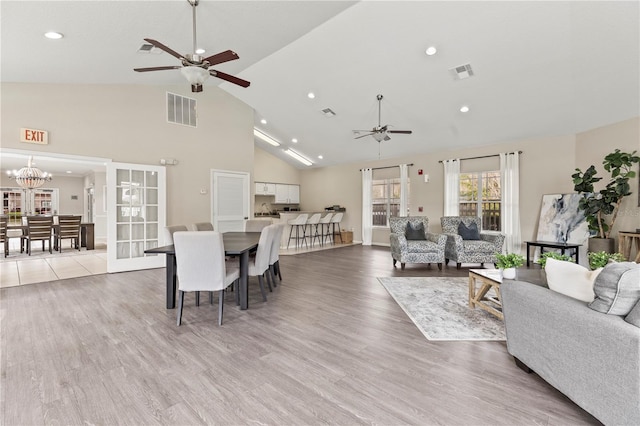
298 157
268 139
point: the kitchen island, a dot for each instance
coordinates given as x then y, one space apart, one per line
285 217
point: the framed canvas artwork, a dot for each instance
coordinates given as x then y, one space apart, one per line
561 220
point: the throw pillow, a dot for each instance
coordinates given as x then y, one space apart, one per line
634 315
617 288
571 279
468 232
415 231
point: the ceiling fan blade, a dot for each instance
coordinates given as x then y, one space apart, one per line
230 78
221 57
165 48
363 136
405 132
157 68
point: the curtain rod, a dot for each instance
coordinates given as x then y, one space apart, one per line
387 167
483 156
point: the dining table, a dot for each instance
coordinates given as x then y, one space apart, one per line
87 239
239 244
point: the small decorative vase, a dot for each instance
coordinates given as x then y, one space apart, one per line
509 273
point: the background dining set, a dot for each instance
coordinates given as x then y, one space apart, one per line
210 261
46 229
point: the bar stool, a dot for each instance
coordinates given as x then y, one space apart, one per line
313 223
335 221
297 223
325 221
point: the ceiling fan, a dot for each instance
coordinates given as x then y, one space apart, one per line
194 67
380 132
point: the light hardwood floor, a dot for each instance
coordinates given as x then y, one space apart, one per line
330 346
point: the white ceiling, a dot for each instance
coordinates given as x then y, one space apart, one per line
541 68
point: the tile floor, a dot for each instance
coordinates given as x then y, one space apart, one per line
20 269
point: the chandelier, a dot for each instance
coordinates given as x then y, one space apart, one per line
30 177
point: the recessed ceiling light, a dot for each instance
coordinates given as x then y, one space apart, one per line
320 157
431 51
464 108
200 51
263 121
294 140
53 35
311 95
69 171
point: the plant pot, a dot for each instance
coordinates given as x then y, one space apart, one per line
606 245
509 273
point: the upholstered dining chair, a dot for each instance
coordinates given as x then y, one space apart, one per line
4 238
68 228
201 266
467 243
256 225
170 230
203 226
274 256
259 264
39 229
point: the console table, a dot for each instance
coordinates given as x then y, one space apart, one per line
625 241
555 245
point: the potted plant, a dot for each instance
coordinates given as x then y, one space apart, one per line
508 264
601 208
553 255
601 258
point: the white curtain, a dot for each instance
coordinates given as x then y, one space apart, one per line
451 187
367 208
404 190
510 215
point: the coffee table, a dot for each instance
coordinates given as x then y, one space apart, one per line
478 297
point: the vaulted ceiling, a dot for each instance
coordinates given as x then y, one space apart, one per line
540 68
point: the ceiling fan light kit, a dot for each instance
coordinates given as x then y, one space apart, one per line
194 67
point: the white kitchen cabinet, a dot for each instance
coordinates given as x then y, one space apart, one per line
287 194
264 188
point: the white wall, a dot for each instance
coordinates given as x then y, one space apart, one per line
127 123
67 188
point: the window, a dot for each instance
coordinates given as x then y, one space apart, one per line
385 199
481 195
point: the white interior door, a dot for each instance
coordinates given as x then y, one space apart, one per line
230 198
136 215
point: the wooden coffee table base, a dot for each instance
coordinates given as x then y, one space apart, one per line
488 279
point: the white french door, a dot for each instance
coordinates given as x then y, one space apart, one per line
230 199
136 215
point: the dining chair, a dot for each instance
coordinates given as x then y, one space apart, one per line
68 228
274 255
169 231
39 229
256 225
4 238
259 264
201 266
202 226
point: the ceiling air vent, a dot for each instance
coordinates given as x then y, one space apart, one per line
181 110
328 112
462 71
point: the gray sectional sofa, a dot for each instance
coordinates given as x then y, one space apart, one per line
591 357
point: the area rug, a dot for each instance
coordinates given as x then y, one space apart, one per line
439 307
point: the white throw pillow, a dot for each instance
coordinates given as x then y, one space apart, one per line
571 279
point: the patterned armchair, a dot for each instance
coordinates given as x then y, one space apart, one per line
469 251
429 250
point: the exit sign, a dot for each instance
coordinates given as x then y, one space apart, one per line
40 137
